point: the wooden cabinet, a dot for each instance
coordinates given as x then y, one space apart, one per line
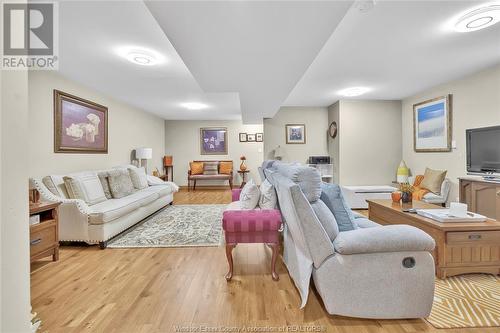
481 196
44 235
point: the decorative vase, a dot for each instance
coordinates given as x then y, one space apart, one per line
243 166
396 196
406 197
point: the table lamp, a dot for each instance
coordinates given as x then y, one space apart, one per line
278 153
143 154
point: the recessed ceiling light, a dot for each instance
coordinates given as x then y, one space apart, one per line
478 19
140 56
194 106
353 91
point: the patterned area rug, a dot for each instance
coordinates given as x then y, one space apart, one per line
176 226
471 300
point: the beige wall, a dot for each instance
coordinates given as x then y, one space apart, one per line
14 226
129 128
316 121
476 103
368 143
182 141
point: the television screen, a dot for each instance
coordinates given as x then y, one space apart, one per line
483 150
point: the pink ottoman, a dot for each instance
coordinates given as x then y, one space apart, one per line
251 226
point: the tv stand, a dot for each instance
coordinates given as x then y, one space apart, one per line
482 196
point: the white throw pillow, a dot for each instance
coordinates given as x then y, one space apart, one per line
249 196
268 197
85 186
138 177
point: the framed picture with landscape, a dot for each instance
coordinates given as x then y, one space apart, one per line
432 130
213 141
80 126
295 133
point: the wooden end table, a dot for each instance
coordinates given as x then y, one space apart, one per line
243 177
465 247
44 236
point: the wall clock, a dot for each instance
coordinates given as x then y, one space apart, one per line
332 129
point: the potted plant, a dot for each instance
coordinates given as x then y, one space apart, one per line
406 192
243 166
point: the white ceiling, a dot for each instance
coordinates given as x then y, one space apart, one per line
90 32
245 59
398 49
259 49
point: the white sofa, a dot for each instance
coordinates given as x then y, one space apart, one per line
96 224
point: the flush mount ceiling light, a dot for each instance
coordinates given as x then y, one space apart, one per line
140 56
353 91
478 19
194 106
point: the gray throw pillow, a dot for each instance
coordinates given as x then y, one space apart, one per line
120 183
325 216
332 196
103 177
211 168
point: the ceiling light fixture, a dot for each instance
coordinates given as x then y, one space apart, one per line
478 19
353 91
194 106
140 55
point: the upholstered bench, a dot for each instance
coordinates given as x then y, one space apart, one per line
250 226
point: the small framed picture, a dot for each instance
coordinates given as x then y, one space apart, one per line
295 133
243 137
251 137
259 137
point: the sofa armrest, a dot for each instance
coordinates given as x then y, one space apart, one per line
391 238
235 194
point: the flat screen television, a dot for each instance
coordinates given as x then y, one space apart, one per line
483 150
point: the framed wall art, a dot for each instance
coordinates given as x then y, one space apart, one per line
213 141
80 126
259 137
432 129
295 133
243 137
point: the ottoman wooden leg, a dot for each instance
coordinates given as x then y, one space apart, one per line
229 255
275 248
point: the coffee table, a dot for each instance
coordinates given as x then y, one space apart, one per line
471 247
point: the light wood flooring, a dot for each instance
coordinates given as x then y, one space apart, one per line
155 290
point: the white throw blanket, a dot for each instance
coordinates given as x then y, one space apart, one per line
152 181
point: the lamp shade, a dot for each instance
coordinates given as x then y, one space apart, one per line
278 152
144 153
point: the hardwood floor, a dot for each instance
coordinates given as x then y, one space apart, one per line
157 290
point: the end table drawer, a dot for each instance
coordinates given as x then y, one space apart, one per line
42 240
473 236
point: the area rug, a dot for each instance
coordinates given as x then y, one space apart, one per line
176 226
471 300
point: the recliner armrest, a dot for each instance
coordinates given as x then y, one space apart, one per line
391 238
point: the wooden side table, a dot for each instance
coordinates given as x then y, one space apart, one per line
168 174
44 235
243 174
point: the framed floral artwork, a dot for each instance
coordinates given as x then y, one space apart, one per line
213 141
80 126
